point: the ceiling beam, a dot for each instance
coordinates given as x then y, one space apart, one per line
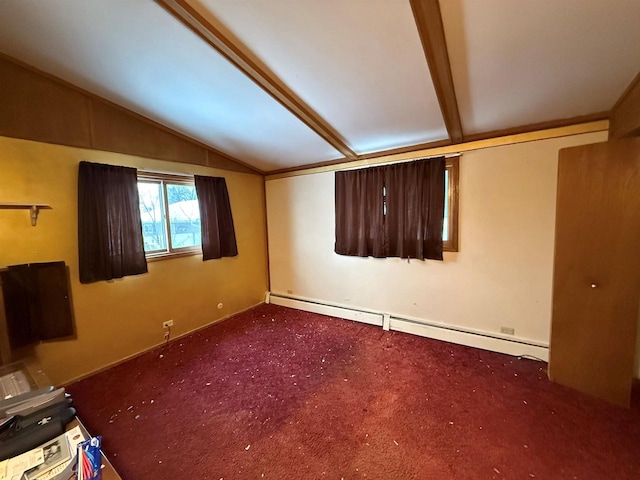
536 127
625 114
260 74
441 148
431 30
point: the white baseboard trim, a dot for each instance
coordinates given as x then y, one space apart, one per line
340 311
514 347
473 338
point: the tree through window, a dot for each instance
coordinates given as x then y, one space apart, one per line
169 213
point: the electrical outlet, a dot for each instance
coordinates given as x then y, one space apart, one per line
167 324
507 330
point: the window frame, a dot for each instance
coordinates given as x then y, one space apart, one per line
164 179
452 166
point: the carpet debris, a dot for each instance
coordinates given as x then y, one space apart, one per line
259 414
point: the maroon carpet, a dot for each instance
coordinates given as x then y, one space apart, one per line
277 393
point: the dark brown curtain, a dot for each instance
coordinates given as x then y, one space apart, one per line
391 211
359 213
109 227
216 221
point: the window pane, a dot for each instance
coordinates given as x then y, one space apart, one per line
184 216
152 216
445 227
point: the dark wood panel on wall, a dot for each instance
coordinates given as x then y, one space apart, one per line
117 131
35 305
216 160
39 107
625 115
35 108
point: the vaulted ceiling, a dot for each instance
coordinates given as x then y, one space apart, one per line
279 84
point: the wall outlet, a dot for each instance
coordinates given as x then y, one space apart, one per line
167 324
507 330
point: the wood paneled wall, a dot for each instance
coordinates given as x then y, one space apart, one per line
625 115
36 107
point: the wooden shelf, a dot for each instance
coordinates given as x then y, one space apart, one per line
33 207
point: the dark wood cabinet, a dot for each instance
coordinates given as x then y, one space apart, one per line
36 302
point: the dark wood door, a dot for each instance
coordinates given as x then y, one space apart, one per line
596 282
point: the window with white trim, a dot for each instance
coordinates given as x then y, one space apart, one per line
170 215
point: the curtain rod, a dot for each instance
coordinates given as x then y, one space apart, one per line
406 160
161 172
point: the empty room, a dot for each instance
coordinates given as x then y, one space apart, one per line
320 239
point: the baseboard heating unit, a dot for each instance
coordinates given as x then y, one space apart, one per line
448 333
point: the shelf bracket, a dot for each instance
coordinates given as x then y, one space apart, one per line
34 209
34 215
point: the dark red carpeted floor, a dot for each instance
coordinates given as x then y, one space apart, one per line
278 393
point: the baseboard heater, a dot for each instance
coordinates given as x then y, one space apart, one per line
473 338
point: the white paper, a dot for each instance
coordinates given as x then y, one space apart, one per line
74 437
16 466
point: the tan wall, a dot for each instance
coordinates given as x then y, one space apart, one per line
502 275
118 319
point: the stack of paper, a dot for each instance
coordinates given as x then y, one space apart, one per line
52 460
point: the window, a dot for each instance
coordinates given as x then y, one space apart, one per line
170 215
450 227
406 209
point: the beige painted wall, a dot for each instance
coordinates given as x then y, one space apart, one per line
502 275
115 320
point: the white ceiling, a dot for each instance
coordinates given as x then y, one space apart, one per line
518 62
358 64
